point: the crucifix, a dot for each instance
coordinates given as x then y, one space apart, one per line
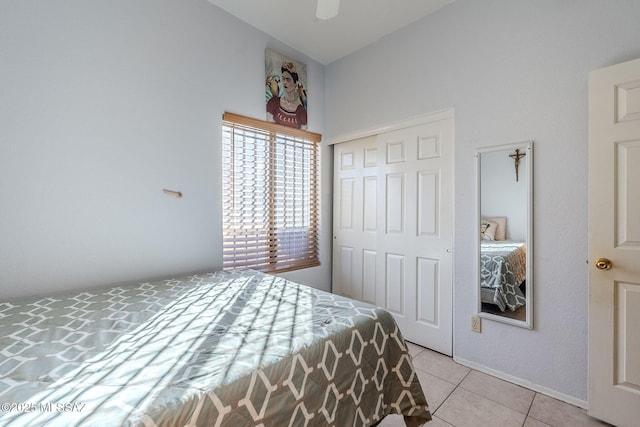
516 157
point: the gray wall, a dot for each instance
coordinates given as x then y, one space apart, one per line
514 71
102 105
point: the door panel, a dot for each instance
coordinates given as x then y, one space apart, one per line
628 339
614 234
370 184
346 204
628 193
428 202
355 220
346 271
420 228
428 284
400 197
395 284
369 267
395 202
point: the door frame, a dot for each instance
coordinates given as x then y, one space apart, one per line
448 113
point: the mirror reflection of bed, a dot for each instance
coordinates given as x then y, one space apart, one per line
503 275
504 210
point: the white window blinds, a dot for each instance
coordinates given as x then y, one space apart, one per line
270 191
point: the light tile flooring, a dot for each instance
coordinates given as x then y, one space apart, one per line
463 397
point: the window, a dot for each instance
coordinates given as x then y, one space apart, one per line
270 195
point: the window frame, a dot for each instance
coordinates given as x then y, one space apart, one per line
275 248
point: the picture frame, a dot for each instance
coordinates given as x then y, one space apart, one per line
286 94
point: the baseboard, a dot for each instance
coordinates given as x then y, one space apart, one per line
524 383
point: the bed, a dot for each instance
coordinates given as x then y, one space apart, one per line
502 273
235 349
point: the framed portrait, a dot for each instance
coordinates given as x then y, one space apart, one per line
285 90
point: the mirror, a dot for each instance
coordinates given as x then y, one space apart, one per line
504 234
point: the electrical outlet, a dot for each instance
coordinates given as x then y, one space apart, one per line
475 324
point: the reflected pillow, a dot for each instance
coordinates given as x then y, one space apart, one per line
501 231
488 230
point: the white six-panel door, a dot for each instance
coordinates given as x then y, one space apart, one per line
355 220
393 227
614 236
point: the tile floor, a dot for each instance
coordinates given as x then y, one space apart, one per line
463 397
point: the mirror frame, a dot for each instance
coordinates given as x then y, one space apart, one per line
528 147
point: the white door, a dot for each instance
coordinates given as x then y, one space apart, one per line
393 227
614 235
355 220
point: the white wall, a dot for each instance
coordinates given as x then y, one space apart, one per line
514 71
501 194
102 105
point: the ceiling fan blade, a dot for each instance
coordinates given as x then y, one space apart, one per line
327 9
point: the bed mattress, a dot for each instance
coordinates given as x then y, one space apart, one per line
219 349
503 269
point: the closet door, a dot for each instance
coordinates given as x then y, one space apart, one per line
355 220
393 227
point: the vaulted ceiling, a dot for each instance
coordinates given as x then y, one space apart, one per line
358 23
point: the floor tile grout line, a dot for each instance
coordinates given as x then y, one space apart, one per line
438 377
526 414
446 398
535 394
459 385
456 386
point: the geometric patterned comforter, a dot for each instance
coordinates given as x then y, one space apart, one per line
222 349
503 269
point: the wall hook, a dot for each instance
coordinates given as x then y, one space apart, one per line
178 194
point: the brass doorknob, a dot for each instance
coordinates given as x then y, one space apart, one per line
603 264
